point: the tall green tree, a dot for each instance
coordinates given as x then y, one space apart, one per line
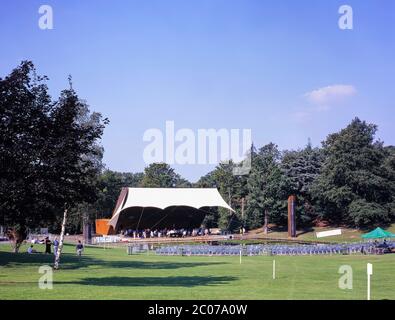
212 216
266 188
74 156
233 189
301 169
50 155
25 106
355 186
161 175
389 169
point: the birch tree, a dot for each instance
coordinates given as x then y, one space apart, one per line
77 154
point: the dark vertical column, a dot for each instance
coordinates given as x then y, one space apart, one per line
242 215
265 226
87 229
291 217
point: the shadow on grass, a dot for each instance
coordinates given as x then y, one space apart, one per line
138 281
300 232
304 231
72 262
8 259
153 281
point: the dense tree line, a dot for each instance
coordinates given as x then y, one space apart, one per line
349 181
51 163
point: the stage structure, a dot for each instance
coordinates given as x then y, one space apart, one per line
291 217
159 208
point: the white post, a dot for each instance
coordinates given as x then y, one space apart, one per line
369 272
274 269
60 247
240 254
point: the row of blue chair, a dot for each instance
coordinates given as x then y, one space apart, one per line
276 249
200 250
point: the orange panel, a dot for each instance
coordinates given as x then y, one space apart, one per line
103 228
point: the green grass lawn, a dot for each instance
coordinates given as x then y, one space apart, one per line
112 274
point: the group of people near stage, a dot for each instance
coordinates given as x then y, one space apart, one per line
179 233
48 244
384 247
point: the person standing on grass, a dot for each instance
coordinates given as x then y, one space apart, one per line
79 247
47 245
55 245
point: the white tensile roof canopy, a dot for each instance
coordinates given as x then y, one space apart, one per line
163 198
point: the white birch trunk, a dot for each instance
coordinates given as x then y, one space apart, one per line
60 247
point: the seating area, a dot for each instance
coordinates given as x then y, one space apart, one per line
276 249
201 250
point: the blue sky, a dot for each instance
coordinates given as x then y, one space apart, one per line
281 68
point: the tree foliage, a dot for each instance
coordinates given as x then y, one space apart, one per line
301 169
265 187
51 159
49 151
356 184
161 175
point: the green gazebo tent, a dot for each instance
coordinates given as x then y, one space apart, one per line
378 233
